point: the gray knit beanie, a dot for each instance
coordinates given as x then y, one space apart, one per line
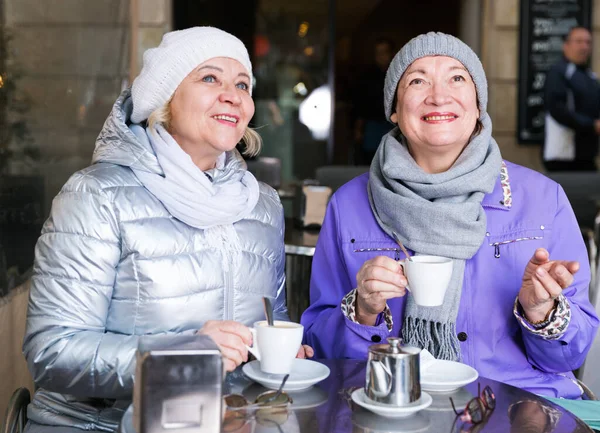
434 44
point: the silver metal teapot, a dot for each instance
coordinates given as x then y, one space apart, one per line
393 373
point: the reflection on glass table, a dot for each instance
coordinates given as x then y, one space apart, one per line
328 408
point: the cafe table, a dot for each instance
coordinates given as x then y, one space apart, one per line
328 408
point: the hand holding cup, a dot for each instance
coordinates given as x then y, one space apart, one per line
378 280
382 278
276 347
232 339
305 351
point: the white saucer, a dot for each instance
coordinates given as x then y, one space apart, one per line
305 373
447 376
360 398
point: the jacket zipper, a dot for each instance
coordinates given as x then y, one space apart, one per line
229 282
227 260
228 286
496 245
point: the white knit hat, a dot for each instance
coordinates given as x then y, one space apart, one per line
179 52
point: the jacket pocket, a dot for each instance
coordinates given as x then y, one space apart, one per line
366 250
515 240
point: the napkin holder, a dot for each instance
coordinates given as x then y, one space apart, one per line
310 204
178 383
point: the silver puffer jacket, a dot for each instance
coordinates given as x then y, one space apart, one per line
112 264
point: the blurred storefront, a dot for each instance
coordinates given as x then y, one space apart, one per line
501 26
64 62
62 66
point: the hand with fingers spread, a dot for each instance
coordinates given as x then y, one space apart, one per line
543 281
378 280
232 338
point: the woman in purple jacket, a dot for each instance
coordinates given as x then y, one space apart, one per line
517 307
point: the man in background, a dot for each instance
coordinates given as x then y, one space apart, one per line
371 124
572 104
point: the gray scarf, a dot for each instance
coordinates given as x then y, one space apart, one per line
436 214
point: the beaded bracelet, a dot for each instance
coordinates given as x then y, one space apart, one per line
546 320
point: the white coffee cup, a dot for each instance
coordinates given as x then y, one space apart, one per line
428 278
276 347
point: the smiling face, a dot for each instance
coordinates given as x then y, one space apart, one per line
210 109
436 110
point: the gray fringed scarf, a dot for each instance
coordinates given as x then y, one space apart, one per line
437 214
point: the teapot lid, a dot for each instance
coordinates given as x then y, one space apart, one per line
393 347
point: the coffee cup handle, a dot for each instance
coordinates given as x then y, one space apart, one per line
404 270
254 348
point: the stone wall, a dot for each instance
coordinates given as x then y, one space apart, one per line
75 58
500 57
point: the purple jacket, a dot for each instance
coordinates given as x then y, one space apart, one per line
496 344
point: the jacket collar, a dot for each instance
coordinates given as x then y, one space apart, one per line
501 197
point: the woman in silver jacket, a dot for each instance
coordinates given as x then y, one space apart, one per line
165 233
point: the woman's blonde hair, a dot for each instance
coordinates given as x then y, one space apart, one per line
253 142
162 115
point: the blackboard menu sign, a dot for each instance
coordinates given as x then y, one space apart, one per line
544 24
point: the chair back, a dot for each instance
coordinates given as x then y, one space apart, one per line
588 372
583 192
334 176
16 412
266 169
591 246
